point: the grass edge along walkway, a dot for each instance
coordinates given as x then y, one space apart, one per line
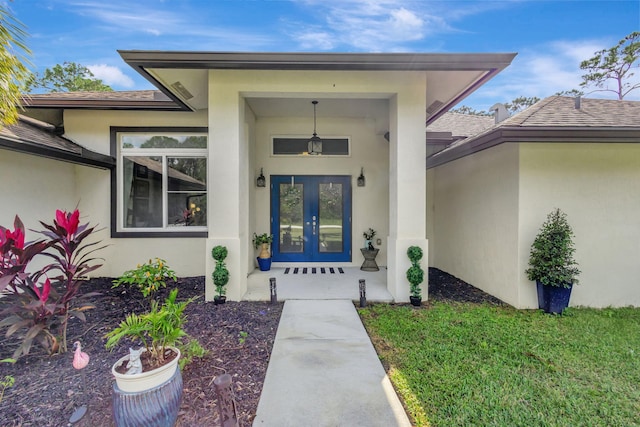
459 364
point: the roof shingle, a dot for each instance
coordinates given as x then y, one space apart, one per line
461 125
32 136
562 111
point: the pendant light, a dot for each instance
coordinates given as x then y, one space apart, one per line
314 146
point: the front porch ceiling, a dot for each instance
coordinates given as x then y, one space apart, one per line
450 77
374 110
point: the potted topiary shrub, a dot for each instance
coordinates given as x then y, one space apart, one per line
220 274
263 241
551 263
415 275
148 380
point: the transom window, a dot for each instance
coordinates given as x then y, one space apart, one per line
292 146
161 181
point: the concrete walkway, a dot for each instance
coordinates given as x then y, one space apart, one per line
324 371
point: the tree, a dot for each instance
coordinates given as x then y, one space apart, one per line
515 106
14 73
521 103
615 64
573 92
69 77
464 109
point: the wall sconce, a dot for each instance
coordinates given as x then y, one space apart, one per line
361 179
261 181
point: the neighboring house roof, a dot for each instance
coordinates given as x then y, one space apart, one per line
555 119
461 125
452 127
35 137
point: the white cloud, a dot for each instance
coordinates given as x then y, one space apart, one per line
405 24
389 25
316 40
543 71
372 25
111 76
130 18
169 27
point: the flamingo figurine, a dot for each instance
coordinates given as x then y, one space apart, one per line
80 358
80 361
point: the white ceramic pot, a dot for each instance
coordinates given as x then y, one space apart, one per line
146 380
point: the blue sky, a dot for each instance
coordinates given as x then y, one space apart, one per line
550 37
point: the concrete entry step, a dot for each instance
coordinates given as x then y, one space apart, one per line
324 371
342 284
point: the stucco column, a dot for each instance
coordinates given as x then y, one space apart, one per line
225 176
407 186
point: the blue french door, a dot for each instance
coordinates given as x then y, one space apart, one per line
311 218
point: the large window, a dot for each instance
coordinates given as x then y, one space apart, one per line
161 181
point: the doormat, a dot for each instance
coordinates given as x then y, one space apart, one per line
313 270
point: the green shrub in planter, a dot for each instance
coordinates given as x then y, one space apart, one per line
259 239
157 329
220 273
415 274
551 259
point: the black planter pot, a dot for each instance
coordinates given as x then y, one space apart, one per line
415 301
557 298
219 299
542 295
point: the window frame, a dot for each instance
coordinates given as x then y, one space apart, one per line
117 230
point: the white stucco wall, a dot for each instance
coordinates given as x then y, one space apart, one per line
431 210
475 220
91 129
34 187
489 206
597 186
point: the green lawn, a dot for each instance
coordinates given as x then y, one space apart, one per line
480 365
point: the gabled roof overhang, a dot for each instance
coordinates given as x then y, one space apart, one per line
32 137
144 59
553 134
125 100
159 68
84 157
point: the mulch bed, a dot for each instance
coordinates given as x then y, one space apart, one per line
48 389
447 288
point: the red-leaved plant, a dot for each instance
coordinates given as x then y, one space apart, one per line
37 305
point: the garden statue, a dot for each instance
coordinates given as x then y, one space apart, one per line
134 364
